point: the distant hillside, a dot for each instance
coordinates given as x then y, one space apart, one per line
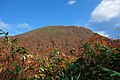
65 38
62 37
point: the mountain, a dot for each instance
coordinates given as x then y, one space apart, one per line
64 38
61 37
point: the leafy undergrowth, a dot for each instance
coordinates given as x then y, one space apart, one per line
96 62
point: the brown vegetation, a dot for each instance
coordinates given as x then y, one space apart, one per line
65 38
60 42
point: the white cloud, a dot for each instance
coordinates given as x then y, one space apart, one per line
71 2
103 33
14 29
105 18
106 10
24 25
118 24
4 25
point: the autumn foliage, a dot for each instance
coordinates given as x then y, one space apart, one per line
96 58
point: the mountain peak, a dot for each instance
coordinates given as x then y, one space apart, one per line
62 37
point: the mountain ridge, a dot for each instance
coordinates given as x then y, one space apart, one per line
64 38
67 37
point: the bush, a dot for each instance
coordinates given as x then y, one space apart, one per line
97 62
11 66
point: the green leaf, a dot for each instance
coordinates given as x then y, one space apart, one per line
6 33
22 52
18 50
30 79
1 33
23 48
112 74
101 68
14 64
0 30
94 72
18 69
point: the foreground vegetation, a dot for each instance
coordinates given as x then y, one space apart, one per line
95 62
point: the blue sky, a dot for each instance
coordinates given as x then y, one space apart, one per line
19 16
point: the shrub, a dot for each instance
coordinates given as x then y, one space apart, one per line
97 62
91 66
11 65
